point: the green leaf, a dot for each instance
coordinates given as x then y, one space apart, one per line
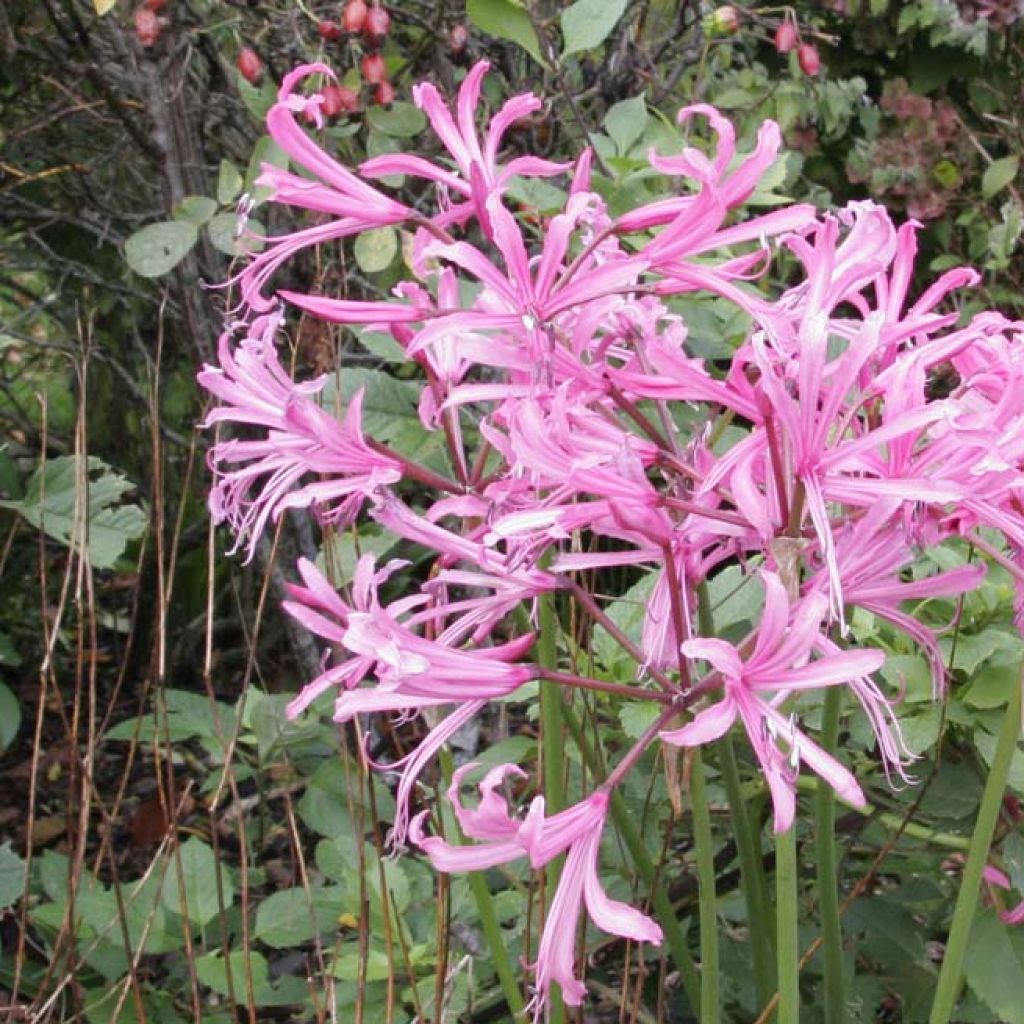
9 655
588 23
223 232
294 916
390 414
505 19
258 99
157 249
266 151
342 550
50 504
12 876
628 614
382 345
625 122
212 971
10 717
229 183
197 872
636 715
402 120
993 969
376 249
998 175
103 6
195 210
992 685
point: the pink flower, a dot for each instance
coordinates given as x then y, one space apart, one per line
412 671
996 877
300 439
577 830
780 665
332 189
479 175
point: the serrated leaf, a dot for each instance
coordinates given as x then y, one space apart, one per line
402 120
195 870
625 122
505 19
376 249
157 249
998 175
50 503
12 876
588 23
195 210
223 232
229 183
993 970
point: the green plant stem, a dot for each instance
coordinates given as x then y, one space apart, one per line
710 1009
675 937
488 916
752 880
828 876
552 755
748 839
786 918
950 975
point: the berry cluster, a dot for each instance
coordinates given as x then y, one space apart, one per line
371 25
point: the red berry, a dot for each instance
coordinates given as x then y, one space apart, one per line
375 70
725 21
147 26
329 30
785 36
154 5
458 36
378 24
332 104
250 67
384 94
348 100
808 59
353 18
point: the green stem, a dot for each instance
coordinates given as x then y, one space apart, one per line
710 1009
552 754
752 879
950 975
786 917
828 876
748 839
675 937
488 916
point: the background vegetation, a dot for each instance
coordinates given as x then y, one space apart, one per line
174 849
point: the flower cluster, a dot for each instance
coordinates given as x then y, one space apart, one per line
558 365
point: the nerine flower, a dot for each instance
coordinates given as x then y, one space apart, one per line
258 478
478 174
576 831
756 687
353 205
